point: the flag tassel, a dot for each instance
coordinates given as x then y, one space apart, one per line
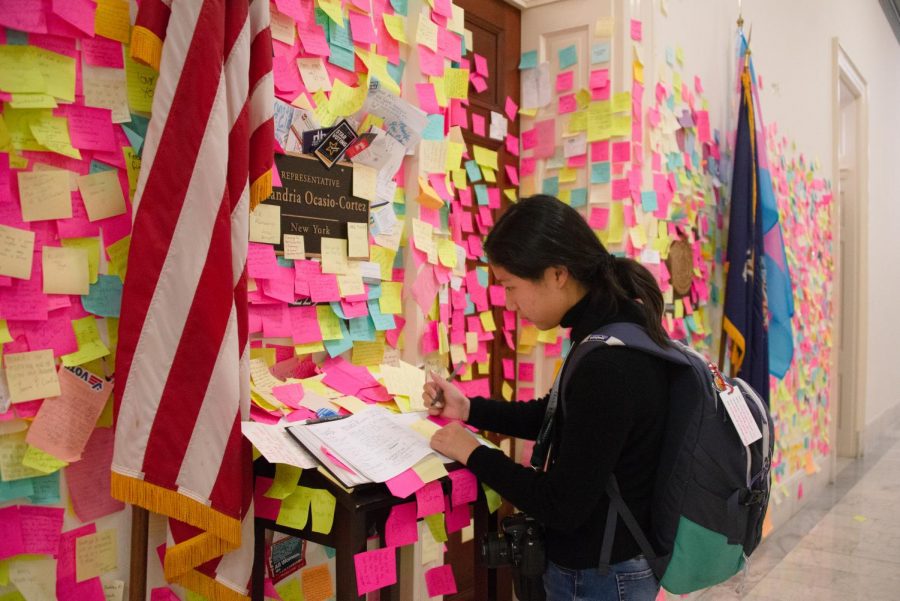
210 588
260 189
146 47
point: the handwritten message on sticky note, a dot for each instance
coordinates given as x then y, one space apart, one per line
334 256
65 270
265 224
440 581
322 506
95 554
102 194
375 569
45 194
317 584
31 375
400 528
294 247
16 252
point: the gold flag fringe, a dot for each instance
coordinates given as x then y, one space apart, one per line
210 588
260 189
146 47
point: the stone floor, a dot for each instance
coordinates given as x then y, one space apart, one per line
843 545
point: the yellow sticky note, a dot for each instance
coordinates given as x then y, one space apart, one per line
436 526
265 224
616 224
41 461
59 73
365 180
396 27
90 346
485 157
506 391
45 195
112 20
638 236
308 348
456 83
95 554
65 270
390 301
132 168
430 468
323 503
12 450
290 589
141 84
329 324
16 252
346 100
334 255
332 8
368 353
384 257
455 152
294 511
102 194
92 247
286 477
294 246
53 133
31 375
118 257
20 70
447 252
358 240
5 336
567 175
487 321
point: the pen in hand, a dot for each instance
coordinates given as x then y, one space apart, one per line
438 401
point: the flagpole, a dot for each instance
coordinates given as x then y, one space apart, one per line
137 576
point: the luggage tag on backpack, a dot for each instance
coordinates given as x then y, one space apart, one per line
740 415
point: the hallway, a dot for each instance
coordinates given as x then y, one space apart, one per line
843 545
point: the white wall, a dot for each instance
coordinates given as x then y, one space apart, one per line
792 50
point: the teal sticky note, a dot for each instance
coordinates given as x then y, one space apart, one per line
374 292
338 309
396 71
97 167
600 53
16 38
578 197
400 6
648 201
339 35
434 128
329 551
362 329
670 56
600 173
16 489
104 297
550 186
341 57
482 273
282 262
528 60
470 306
341 345
473 171
46 489
382 321
481 193
568 56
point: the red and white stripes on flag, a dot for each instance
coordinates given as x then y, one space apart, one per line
181 364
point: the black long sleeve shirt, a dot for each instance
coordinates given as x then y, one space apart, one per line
613 422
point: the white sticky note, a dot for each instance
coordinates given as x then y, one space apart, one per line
265 224
294 247
365 181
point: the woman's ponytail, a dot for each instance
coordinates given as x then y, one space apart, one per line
640 285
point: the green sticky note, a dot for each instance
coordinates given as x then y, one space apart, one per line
294 512
436 526
90 345
568 56
323 504
493 499
285 483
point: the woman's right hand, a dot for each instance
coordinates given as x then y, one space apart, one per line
453 405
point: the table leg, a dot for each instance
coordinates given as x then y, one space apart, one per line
258 574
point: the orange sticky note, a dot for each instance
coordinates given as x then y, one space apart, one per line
317 585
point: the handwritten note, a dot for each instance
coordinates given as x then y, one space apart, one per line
45 195
400 528
65 270
323 504
334 256
12 451
31 375
317 584
102 194
440 581
294 247
358 240
88 480
375 569
16 252
95 554
265 224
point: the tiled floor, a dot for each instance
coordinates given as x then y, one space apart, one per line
843 545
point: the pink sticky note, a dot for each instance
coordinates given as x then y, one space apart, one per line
400 528
599 78
497 295
481 66
440 581
511 108
324 288
457 518
405 483
67 589
89 479
529 139
163 593
465 487
102 52
509 369
546 138
427 99
289 394
565 81
304 325
526 372
636 30
621 151
620 189
261 261
429 499
567 104
263 506
41 527
90 128
11 542
599 218
375 569
430 63
361 28
478 124
600 151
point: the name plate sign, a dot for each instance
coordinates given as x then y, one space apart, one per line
316 202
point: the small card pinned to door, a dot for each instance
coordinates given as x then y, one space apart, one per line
335 144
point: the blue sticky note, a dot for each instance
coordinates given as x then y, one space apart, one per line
339 35
670 56
528 60
342 344
473 171
46 489
550 186
338 309
434 128
578 197
600 173
382 321
600 53
400 6
648 201
374 292
568 56
482 275
341 57
97 167
362 328
481 193
104 297
396 71
16 489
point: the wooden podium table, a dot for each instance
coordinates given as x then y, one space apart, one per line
356 516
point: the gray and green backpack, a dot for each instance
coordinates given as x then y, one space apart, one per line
712 489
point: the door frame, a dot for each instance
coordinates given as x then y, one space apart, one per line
850 314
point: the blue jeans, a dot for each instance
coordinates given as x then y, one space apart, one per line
630 580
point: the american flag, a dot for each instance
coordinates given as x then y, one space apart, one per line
181 365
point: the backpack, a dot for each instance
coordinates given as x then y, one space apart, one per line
711 490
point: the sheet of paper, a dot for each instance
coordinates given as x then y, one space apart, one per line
64 424
65 270
102 194
16 252
265 224
45 194
35 577
276 445
95 554
31 375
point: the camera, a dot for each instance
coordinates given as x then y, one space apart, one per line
519 545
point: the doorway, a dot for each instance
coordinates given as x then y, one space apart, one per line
851 274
